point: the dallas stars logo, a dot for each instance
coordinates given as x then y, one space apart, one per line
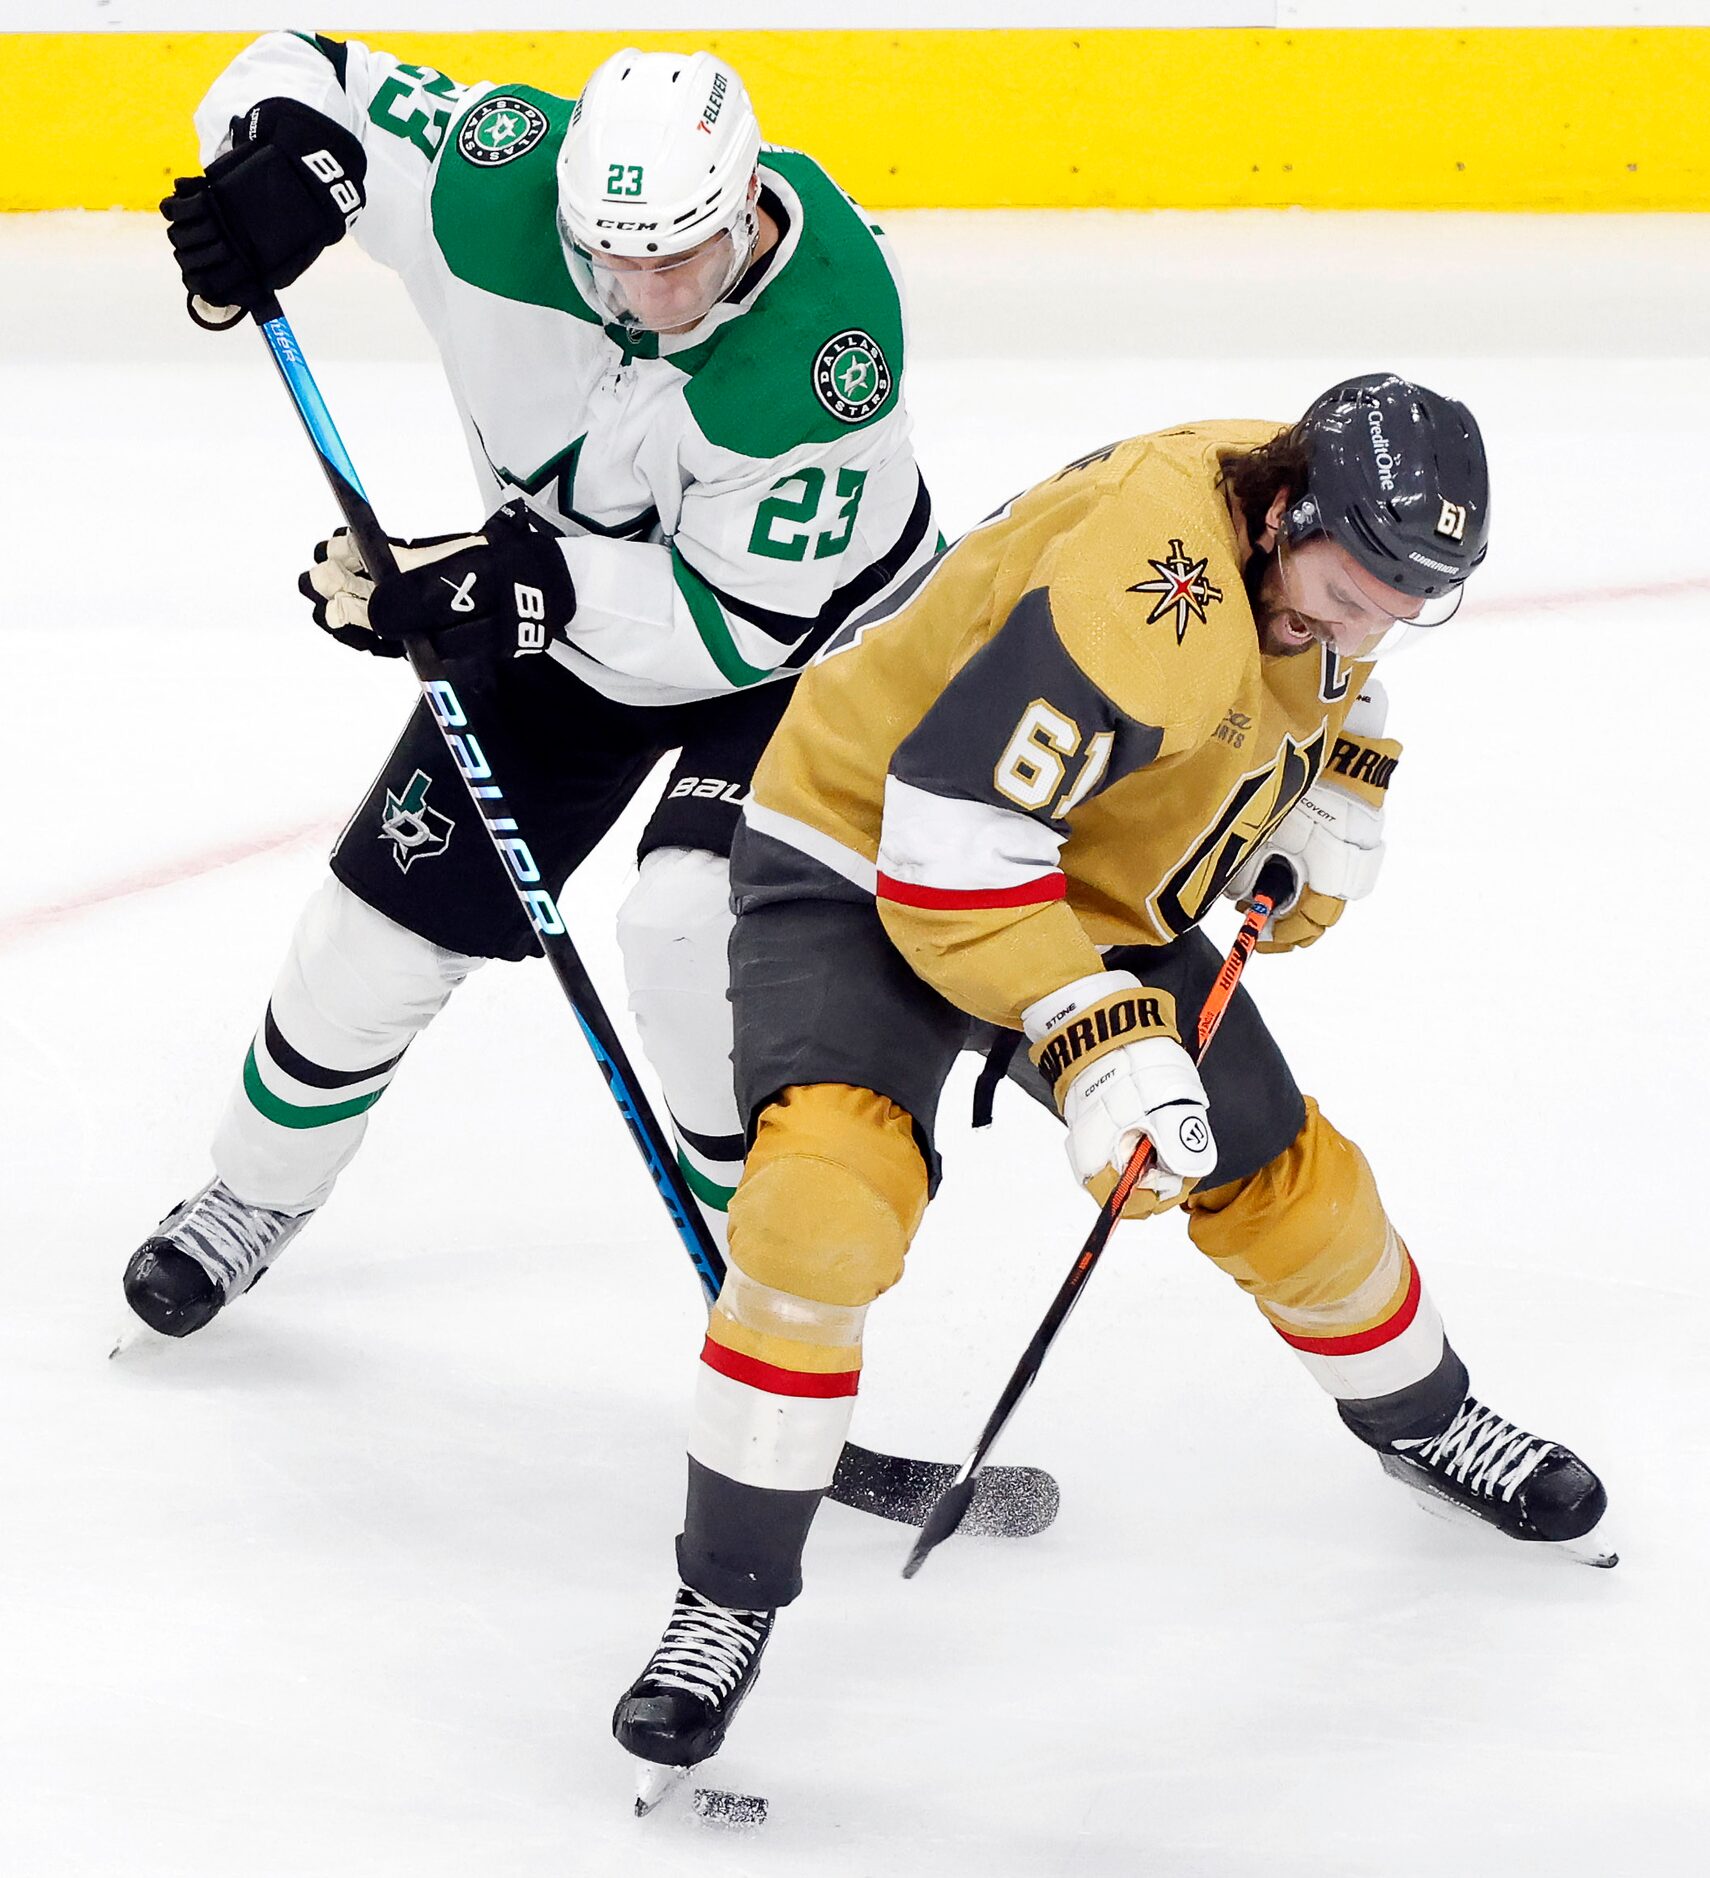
417 833
1182 586
851 377
499 130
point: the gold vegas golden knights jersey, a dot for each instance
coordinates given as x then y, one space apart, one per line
1062 736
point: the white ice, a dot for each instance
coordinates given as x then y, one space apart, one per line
349 1583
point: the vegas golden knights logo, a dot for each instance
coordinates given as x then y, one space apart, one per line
1254 807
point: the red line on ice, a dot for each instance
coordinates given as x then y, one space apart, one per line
36 919
168 874
1592 596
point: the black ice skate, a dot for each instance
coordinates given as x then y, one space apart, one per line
1484 1468
677 1712
207 1251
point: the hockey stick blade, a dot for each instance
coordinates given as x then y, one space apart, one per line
998 1503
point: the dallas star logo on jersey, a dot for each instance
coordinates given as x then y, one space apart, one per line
499 130
1181 585
417 833
850 376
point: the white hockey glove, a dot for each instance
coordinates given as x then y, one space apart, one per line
1108 1048
1332 839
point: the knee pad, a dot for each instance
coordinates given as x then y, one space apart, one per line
832 1194
356 986
674 931
674 923
1305 1232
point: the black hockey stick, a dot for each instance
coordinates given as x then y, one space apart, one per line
953 1507
1015 1501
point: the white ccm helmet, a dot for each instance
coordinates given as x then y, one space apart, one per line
655 187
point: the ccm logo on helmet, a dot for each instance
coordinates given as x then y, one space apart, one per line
630 228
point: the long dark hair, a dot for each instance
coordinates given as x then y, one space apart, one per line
1253 477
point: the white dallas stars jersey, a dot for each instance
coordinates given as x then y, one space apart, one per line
729 496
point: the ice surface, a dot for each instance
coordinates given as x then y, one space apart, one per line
349 1583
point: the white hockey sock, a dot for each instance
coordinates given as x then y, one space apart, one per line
355 988
674 928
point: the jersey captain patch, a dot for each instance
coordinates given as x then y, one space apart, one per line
499 130
850 376
1182 588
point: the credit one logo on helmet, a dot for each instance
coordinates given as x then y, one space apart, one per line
499 130
850 376
1385 459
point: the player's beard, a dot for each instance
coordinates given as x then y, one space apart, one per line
1272 617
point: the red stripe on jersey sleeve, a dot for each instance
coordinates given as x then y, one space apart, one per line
1037 892
776 1381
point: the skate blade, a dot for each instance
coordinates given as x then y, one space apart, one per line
135 1334
713 1806
1589 1549
654 1785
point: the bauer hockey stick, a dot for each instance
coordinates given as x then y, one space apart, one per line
1017 1501
953 1507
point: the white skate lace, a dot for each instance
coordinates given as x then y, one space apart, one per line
230 1240
1482 1451
706 1648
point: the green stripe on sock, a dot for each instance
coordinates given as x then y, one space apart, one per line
711 624
708 1192
288 1114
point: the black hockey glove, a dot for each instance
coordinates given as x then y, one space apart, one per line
289 186
498 595
339 586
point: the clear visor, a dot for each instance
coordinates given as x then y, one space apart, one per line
665 293
1344 605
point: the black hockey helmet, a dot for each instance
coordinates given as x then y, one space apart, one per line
1397 476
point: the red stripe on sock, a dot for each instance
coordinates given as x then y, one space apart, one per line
1373 1339
1030 893
776 1381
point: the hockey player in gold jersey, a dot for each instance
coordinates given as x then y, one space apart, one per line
1008 800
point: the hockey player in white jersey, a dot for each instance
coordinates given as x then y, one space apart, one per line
678 360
